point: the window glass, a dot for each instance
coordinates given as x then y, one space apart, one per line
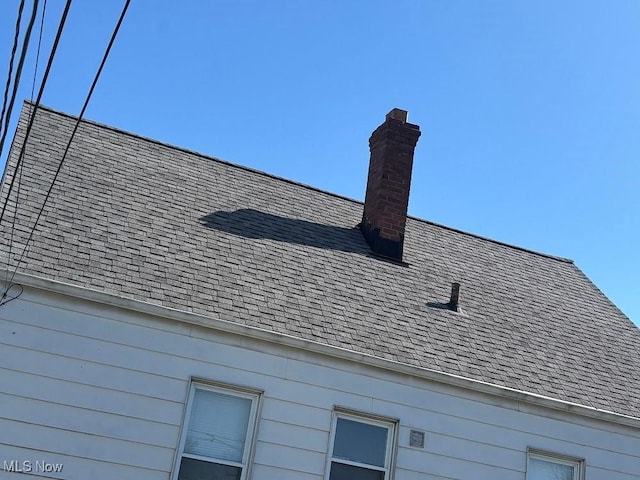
546 470
191 469
360 442
340 471
218 425
217 435
360 448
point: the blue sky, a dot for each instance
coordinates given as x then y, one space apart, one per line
530 111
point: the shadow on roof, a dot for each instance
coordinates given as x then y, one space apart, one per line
250 223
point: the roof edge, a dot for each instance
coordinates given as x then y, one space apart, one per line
289 181
492 240
218 324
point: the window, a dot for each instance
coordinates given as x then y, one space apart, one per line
218 433
549 466
361 447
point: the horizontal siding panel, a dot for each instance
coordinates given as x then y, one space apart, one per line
514 422
7 475
91 373
319 397
109 393
289 458
122 356
76 419
508 439
295 413
395 400
401 474
451 467
85 446
76 468
295 436
427 398
85 396
143 337
119 314
595 473
51 341
472 451
36 472
267 472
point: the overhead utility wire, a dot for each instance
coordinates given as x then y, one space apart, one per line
18 166
19 172
12 57
16 81
35 69
66 150
40 92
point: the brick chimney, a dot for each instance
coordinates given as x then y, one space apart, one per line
387 198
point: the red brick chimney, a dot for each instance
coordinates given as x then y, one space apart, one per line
387 198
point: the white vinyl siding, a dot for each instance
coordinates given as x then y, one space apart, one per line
104 390
218 436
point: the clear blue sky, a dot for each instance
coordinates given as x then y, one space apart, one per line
530 110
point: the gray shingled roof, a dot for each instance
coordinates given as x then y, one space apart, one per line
152 222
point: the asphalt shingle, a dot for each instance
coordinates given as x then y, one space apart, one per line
156 223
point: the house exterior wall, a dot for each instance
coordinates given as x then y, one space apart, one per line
102 390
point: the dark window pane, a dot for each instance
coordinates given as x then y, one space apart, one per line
340 471
360 442
191 469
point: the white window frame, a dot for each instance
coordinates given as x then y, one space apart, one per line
379 421
577 464
242 392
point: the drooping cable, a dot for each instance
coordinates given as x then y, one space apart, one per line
18 166
52 54
16 81
66 150
35 69
12 57
19 171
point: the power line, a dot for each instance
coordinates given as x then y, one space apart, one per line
66 150
19 171
16 37
35 69
16 81
40 92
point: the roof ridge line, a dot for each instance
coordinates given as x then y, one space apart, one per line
292 182
193 152
493 240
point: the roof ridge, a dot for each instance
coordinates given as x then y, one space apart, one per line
292 182
193 152
492 240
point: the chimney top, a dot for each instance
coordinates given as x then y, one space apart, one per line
398 114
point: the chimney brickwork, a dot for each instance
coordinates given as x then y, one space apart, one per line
385 206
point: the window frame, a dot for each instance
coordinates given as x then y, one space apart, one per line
249 445
578 464
379 421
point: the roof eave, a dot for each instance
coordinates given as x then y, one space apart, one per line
320 348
